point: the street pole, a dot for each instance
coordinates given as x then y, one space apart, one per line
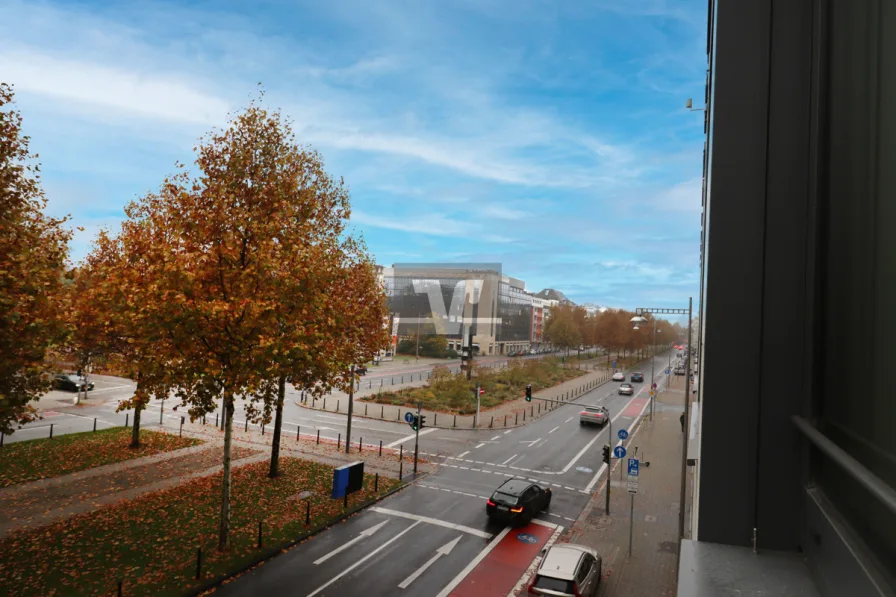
631 523
684 436
610 421
417 434
470 359
417 353
476 421
351 401
653 373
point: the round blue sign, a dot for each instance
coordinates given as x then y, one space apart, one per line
409 417
623 434
527 538
668 371
619 452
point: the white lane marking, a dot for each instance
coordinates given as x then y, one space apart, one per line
568 420
496 437
435 521
408 438
464 454
508 460
362 560
347 544
544 523
92 392
554 429
477 470
479 446
531 442
465 468
473 563
508 431
477 461
442 551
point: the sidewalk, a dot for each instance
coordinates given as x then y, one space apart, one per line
507 415
651 570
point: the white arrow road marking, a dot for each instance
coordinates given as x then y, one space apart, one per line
532 442
362 560
344 546
442 551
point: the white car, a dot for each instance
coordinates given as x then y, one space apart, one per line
619 376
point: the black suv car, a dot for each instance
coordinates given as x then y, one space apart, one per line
639 377
72 383
518 501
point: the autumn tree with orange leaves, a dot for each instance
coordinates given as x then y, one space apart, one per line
249 277
33 253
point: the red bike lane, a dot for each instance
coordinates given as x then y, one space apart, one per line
498 572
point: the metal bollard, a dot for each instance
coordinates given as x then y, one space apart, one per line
398 415
307 513
524 415
259 535
455 421
298 434
401 452
382 412
94 423
435 419
505 420
51 430
360 444
381 447
400 470
325 404
376 482
262 428
337 406
517 419
198 563
126 415
365 409
318 437
216 419
531 411
338 440
492 422
181 426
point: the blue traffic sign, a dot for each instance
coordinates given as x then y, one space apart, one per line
619 452
633 467
614 364
623 434
409 417
668 371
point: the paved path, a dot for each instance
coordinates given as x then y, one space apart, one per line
651 569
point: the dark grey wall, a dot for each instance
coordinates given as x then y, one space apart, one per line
756 273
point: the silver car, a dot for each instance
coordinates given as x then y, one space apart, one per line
597 415
567 570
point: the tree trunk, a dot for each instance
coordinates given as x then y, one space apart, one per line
224 535
135 430
278 423
138 408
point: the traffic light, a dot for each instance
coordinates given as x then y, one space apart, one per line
422 421
607 454
529 392
414 422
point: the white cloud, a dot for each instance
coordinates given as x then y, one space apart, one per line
145 94
433 224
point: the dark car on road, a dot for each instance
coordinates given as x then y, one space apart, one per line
518 501
361 369
71 383
639 377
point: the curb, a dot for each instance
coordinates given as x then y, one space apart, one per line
271 552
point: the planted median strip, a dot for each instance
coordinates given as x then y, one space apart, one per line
451 393
25 461
151 543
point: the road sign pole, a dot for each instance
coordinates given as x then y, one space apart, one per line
684 436
351 400
476 421
610 421
417 435
631 523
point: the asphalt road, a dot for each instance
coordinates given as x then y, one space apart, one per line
434 535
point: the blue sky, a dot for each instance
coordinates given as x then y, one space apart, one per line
550 136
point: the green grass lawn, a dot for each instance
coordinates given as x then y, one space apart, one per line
451 392
150 543
41 458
